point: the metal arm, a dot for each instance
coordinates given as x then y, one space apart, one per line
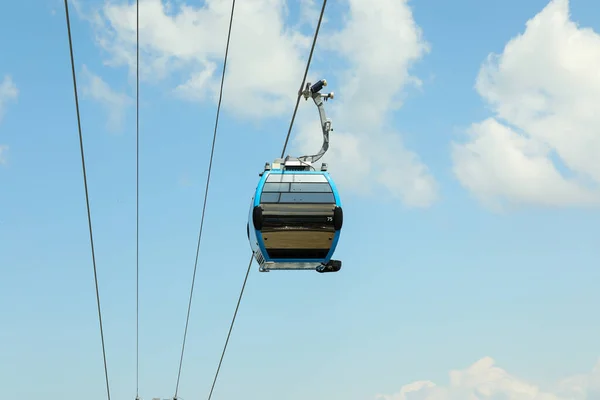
313 91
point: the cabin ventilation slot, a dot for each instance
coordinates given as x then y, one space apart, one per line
259 258
296 168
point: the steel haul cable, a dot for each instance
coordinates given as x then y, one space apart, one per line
137 197
282 154
137 201
312 49
205 195
87 199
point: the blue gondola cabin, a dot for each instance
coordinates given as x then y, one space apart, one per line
295 218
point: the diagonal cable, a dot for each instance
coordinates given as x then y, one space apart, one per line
282 153
137 202
312 49
87 199
230 329
205 196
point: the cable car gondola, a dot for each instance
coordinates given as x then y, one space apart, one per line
296 217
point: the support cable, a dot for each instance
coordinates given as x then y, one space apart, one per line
230 328
312 49
205 197
87 200
282 154
137 202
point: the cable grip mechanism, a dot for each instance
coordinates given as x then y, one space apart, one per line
314 92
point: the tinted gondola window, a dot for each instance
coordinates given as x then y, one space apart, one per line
297 178
306 198
276 187
297 188
270 197
311 187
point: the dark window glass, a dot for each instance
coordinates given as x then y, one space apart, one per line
311 187
276 187
269 198
300 197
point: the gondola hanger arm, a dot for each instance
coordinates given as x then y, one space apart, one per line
314 92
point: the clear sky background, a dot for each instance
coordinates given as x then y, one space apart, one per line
465 147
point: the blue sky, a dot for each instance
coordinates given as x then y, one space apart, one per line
449 257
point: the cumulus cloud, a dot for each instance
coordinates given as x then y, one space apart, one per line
184 44
309 12
542 145
114 103
8 92
485 380
3 151
367 153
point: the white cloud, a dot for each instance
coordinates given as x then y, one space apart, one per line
8 92
265 56
309 13
3 151
542 145
115 103
484 380
266 61
367 153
